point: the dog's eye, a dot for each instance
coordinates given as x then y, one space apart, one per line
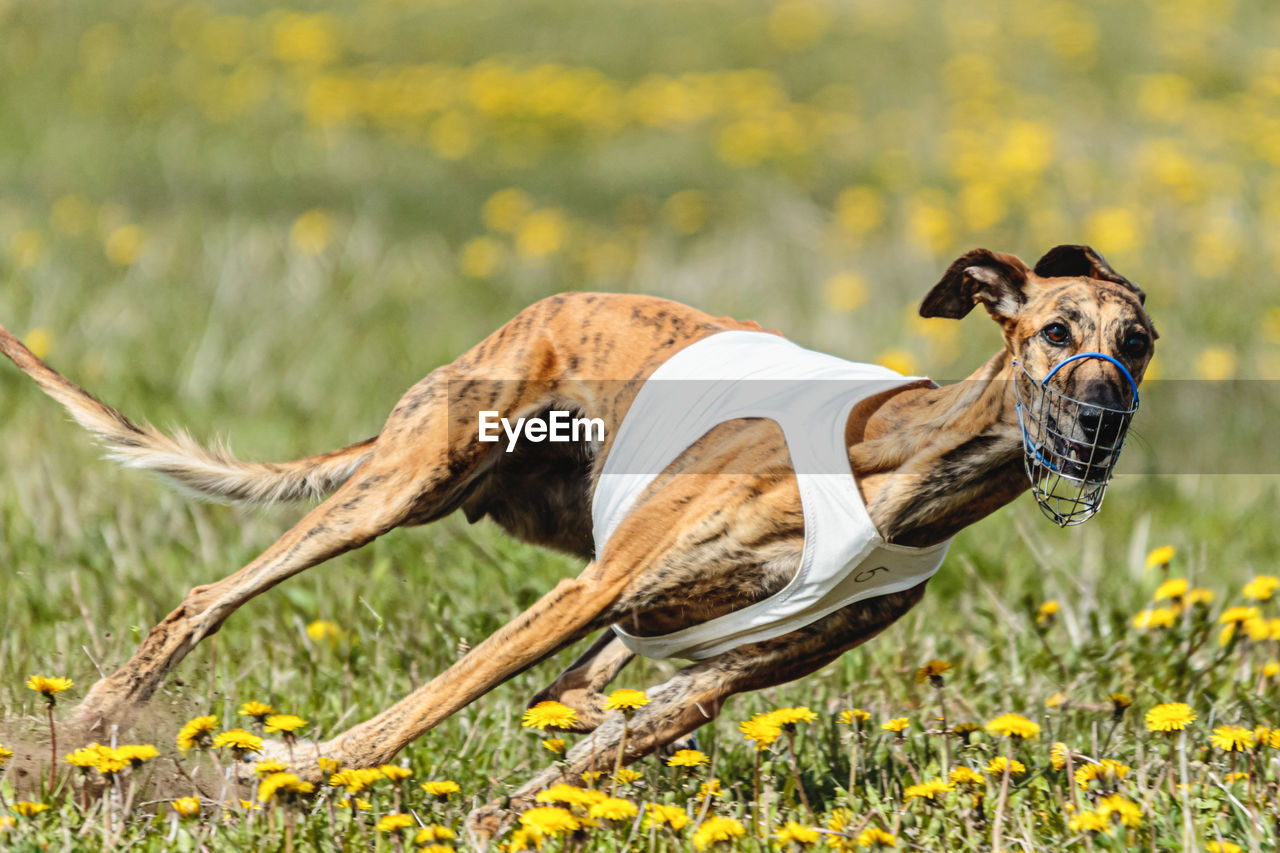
1056 334
1135 345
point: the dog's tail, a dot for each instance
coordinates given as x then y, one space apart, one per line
210 472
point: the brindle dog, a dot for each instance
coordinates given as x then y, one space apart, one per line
928 460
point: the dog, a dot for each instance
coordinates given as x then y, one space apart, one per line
927 461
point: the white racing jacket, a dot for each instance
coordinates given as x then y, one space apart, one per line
809 394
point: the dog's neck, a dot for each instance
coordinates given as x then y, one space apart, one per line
932 460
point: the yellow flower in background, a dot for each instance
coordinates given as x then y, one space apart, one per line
1088 821
796 833
1055 700
1013 725
1107 772
433 832
1170 717
1161 556
932 672
613 808
395 773
124 245
1160 617
186 806
1238 615
961 775
311 233
541 233
281 781
899 361
1223 847
5 755
1260 588
845 292
47 686
136 753
687 211
1232 738
481 257
1113 229
239 741
1172 588
306 39
626 776
286 723
875 837
761 729
27 808
897 725
356 779
710 788
453 135
394 822
555 744
504 210
196 732
549 820
687 758
443 788
1216 363
26 248
717 828
854 717
549 714
658 814
357 803
570 795
929 790
997 765
268 766
859 209
40 341
1269 670
785 717
1058 755
324 630
259 710
1047 610
625 699
328 765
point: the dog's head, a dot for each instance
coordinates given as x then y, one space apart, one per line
1080 341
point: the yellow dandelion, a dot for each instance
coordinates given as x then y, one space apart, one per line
48 686
239 741
358 803
796 833
442 788
268 766
186 806
1160 617
687 758
1014 726
1108 773
961 775
328 765
196 732
760 729
1047 610
282 782
1232 738
1170 717
626 776
929 790
1261 588
285 723
790 717
6 754
1055 700
433 832
549 820
897 725
997 765
250 806
1088 821
394 822
110 761
625 699
1271 668
710 788
964 731
394 772
26 808
123 245
356 779
505 208
1173 588
717 828
658 814
874 836
324 630
549 715
1238 615
932 672
257 710
86 757
613 808
1116 807
136 753
1161 556
555 744
1199 595
312 232
570 795
1058 755
854 717
1223 847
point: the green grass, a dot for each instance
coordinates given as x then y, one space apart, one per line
228 320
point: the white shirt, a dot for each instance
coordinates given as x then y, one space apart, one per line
809 394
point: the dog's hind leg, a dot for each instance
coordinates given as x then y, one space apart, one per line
581 686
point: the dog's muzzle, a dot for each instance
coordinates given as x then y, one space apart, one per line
1070 447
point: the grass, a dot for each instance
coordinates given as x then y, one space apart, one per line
219 217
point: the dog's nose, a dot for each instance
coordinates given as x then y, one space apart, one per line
1101 427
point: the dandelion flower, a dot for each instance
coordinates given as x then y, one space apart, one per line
570 795
86 757
258 710
687 758
1261 588
1160 617
433 832
48 686
136 753
1174 588
186 806
285 723
930 790
5 755
874 836
1199 595
761 729
1048 610
328 765
961 775
1126 811
26 808
964 731
625 699
626 776
287 783
442 788
549 820
796 833
323 630
1223 847
789 717
1237 615
853 717
710 788
1013 725
997 765
395 773
1232 738
1119 703
239 741
110 761
1107 773
717 828
1269 670
1055 700
549 715
196 732
394 822
356 779
555 744
613 808
658 814
267 766
897 725
1058 755
358 803
932 672
1088 821
1161 556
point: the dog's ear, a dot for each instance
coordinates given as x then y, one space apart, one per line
997 280
1083 262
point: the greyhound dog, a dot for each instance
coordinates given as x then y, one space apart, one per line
721 528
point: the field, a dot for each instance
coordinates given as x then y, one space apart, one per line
265 224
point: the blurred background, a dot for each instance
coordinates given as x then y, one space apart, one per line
267 222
